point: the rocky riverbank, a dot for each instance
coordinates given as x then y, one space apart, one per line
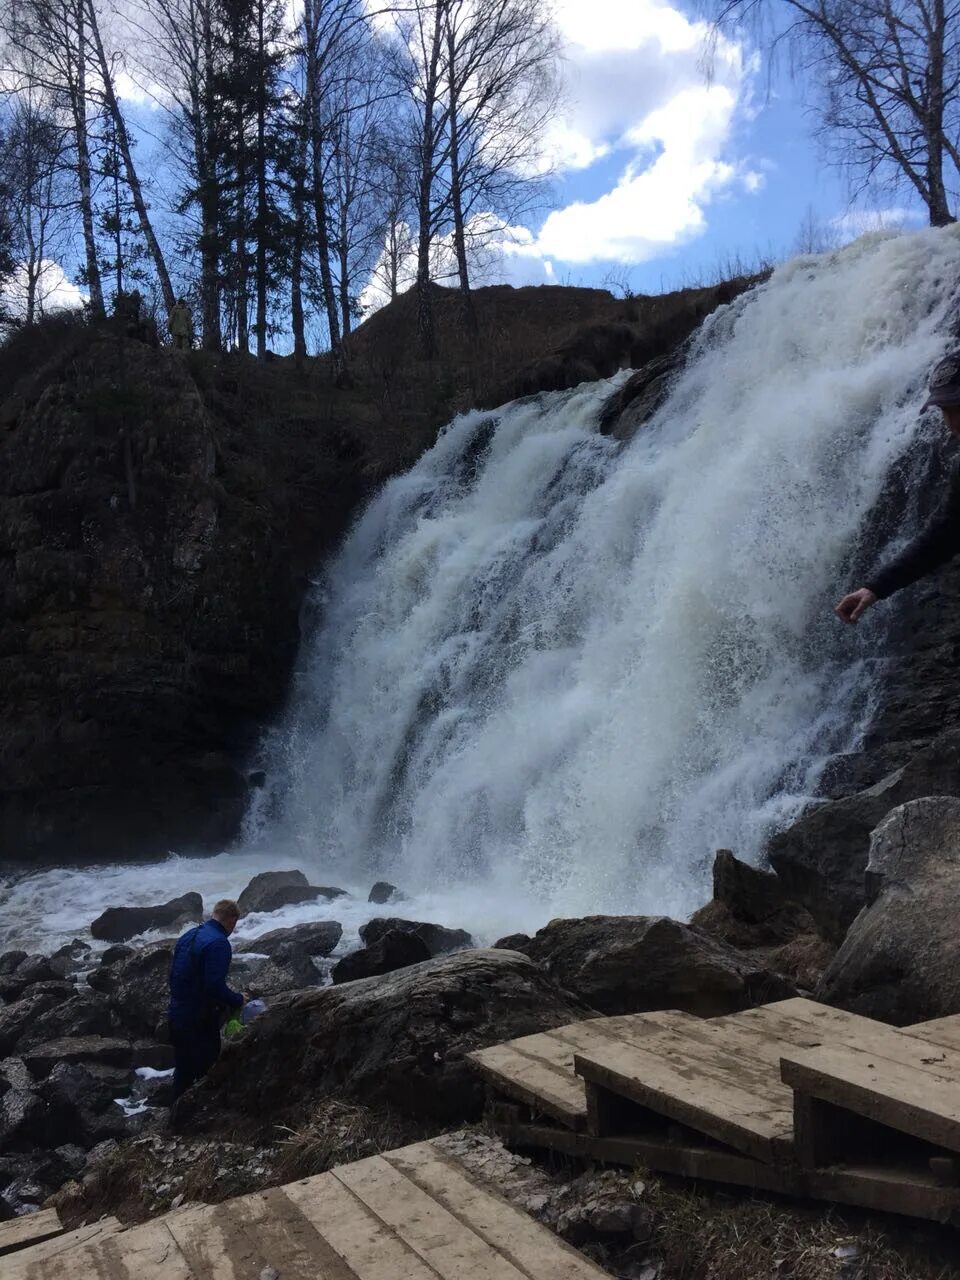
367 1050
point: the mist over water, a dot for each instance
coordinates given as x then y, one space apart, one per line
554 672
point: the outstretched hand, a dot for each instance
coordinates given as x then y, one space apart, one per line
853 606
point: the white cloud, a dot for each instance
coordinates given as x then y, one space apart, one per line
54 290
637 86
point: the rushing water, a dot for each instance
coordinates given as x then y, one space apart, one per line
554 672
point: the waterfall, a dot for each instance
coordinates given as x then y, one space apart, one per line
559 671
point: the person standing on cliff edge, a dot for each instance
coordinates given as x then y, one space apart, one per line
940 540
199 994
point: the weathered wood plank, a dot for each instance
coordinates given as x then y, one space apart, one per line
531 1248
540 1084
942 1031
147 1252
34 1227
904 1097
440 1239
239 1239
370 1248
723 1104
17 1266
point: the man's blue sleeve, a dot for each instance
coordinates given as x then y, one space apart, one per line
216 965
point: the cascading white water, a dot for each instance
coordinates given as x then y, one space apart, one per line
560 672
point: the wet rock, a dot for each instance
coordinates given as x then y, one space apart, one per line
60 990
393 950
900 960
396 1041
262 887
628 964
383 892
271 977
318 938
72 957
137 989
29 971
24 1195
114 954
83 1014
155 1054
16 1018
103 1050
821 859
750 907
9 961
439 940
23 1113
293 895
73 1158
513 942
118 924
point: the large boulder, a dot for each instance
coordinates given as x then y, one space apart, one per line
750 907
106 1051
29 971
138 988
263 889
822 857
83 1014
383 891
900 960
629 964
118 924
23 1113
397 1041
392 950
317 938
16 1018
272 977
439 940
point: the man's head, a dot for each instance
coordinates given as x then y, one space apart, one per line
227 913
945 391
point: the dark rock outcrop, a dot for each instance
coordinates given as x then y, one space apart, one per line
317 938
104 1051
439 940
137 989
16 1018
119 924
821 859
271 977
383 891
83 1014
395 949
396 1041
264 887
900 960
629 964
750 907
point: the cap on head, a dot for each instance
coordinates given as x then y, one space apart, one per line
945 382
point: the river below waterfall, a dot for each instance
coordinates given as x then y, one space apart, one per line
554 672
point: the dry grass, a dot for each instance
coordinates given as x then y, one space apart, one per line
712 1235
338 1133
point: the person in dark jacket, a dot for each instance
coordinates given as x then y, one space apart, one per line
939 541
199 994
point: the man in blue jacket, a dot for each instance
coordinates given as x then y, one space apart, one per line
199 995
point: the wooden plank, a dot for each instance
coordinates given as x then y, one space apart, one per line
444 1242
371 1249
687 1160
30 1229
147 1252
17 1266
241 1238
893 1189
533 1250
942 1031
795 1019
910 1099
630 1028
539 1084
687 1090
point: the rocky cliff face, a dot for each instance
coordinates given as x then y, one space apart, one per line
160 515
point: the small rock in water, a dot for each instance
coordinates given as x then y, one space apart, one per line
383 892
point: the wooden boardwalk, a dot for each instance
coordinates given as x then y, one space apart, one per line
792 1097
412 1214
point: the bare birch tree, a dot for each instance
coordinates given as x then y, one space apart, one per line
888 72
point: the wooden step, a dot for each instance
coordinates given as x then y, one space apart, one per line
944 1031
721 1094
18 1233
40 1261
909 1096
